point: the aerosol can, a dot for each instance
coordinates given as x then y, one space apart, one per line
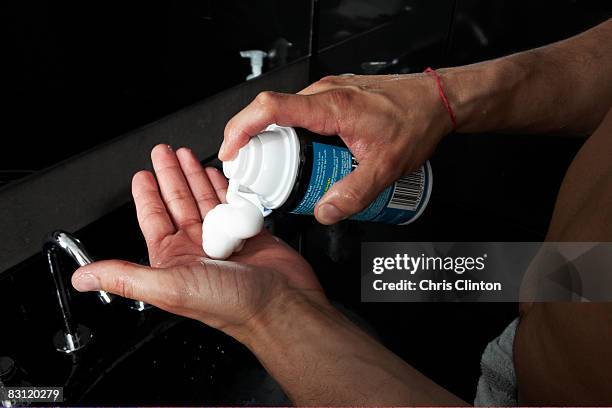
290 169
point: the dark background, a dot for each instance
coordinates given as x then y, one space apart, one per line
78 75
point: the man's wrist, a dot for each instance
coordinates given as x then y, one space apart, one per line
319 357
282 316
481 94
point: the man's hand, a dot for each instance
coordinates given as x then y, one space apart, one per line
229 295
391 124
266 296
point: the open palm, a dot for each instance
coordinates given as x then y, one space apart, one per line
223 294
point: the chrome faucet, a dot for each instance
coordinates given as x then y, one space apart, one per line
72 336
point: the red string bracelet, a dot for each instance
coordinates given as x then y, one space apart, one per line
443 97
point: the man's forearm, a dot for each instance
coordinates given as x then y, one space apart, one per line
320 358
565 87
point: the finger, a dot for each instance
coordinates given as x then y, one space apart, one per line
174 188
153 218
350 195
157 287
118 277
202 189
316 113
218 181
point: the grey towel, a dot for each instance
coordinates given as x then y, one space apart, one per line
497 383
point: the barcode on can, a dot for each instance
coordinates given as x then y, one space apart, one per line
408 191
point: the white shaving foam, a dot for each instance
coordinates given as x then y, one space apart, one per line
227 226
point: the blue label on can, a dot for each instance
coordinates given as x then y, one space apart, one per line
397 204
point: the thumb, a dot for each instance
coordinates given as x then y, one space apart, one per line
123 278
349 196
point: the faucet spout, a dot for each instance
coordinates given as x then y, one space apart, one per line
73 247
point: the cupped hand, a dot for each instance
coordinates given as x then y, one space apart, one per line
391 124
227 295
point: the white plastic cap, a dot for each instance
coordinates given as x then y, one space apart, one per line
267 166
